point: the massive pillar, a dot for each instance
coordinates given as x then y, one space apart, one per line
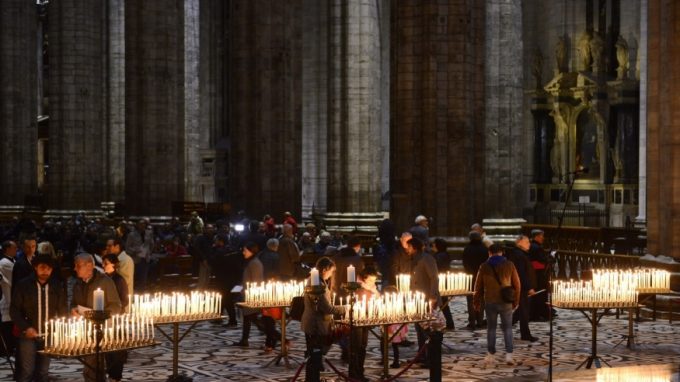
18 101
506 160
76 92
115 103
266 96
641 75
314 105
663 128
154 105
437 113
354 106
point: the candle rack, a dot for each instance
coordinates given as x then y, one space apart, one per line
455 284
97 317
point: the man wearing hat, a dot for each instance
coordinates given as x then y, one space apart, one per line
421 230
539 261
35 300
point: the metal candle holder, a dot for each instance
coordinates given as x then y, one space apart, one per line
315 289
98 317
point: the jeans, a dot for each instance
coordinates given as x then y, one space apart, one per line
492 312
31 366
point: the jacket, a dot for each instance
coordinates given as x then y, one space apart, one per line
126 268
289 256
474 255
252 273
317 318
526 272
24 305
487 286
6 266
83 292
424 273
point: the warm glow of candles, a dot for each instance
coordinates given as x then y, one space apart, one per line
389 308
314 277
75 336
453 283
646 280
273 293
404 283
177 306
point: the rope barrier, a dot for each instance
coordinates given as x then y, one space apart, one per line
299 370
409 364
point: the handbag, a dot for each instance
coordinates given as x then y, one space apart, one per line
297 307
507 292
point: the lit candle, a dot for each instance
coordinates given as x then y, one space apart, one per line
351 274
98 299
314 275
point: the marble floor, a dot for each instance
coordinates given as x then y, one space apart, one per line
206 354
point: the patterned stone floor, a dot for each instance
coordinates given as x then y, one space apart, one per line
205 354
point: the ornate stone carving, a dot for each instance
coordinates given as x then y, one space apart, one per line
596 49
622 58
561 55
583 47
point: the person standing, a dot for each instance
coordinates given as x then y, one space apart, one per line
475 254
116 360
518 254
494 274
422 268
139 245
126 266
539 261
289 254
421 229
317 320
23 266
443 265
9 252
89 280
36 299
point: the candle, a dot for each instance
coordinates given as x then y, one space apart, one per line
314 275
98 299
351 274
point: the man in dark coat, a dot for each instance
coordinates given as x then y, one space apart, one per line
518 255
36 299
475 254
540 262
22 266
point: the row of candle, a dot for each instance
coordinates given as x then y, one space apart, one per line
404 283
577 294
75 336
646 280
177 306
272 293
455 282
389 308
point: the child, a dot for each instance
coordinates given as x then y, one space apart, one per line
400 335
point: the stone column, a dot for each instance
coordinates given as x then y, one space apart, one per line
77 32
266 96
354 106
18 101
663 128
195 184
154 106
505 180
437 114
641 219
314 106
115 105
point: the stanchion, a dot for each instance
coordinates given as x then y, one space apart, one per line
98 317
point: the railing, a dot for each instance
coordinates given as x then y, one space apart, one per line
572 264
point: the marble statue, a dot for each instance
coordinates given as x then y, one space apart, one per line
561 55
596 50
584 57
558 154
622 58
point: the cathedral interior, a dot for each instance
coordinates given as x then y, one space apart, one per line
512 113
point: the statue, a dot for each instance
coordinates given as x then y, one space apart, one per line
584 57
622 58
558 157
537 68
596 49
561 55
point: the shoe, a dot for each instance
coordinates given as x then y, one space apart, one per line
508 359
424 365
230 324
530 339
470 326
450 327
268 349
406 343
394 365
243 344
217 321
490 360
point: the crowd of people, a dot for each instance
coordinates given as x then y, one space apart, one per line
121 260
